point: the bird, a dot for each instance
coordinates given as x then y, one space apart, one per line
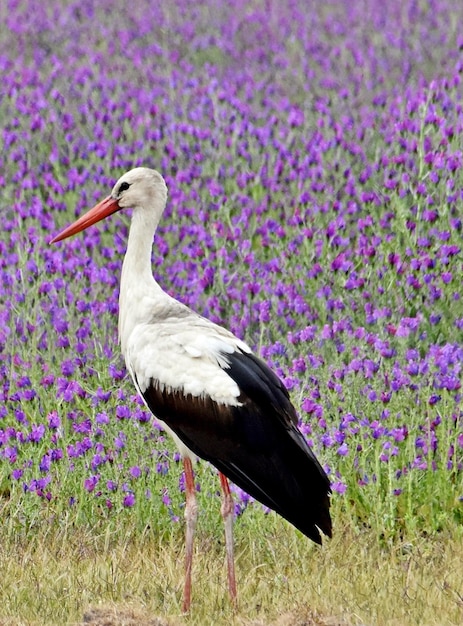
216 398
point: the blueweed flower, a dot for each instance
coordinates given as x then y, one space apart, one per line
97 460
122 412
338 487
20 416
54 420
135 471
120 441
67 368
101 396
129 500
91 482
45 463
102 418
37 432
116 373
84 427
166 499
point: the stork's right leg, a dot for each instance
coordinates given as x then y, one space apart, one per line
191 514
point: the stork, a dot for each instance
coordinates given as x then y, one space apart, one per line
217 399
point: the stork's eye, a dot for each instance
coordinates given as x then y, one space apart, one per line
123 187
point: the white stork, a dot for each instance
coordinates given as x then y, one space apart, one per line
213 395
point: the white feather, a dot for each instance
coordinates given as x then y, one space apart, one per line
188 359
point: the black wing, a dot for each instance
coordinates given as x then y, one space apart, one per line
256 445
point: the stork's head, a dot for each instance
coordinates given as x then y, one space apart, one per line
141 189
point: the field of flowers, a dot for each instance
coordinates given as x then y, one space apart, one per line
313 153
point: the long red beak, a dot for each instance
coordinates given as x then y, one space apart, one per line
106 207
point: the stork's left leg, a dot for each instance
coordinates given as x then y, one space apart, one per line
227 511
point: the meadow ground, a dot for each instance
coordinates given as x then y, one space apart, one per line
313 153
115 576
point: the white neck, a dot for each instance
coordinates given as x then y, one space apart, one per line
138 290
137 261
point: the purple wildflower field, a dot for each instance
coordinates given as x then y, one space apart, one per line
314 163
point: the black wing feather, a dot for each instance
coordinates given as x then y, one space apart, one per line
256 445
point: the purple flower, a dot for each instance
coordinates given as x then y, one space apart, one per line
20 416
338 487
91 482
10 453
54 421
67 368
37 432
102 418
166 497
120 441
84 427
98 459
129 500
122 412
45 463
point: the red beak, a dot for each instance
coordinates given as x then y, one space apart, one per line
106 207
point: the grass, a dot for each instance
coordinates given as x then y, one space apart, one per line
57 573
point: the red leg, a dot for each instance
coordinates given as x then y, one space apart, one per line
191 514
227 511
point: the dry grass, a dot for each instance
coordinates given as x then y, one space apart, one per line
60 577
